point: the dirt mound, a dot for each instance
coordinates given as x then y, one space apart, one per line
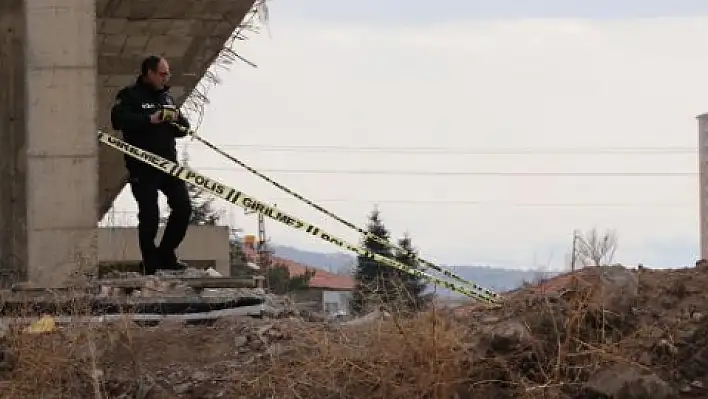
148 362
599 333
604 332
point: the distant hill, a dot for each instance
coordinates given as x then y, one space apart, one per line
332 262
496 279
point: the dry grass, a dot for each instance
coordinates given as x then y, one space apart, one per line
533 346
421 356
428 356
106 361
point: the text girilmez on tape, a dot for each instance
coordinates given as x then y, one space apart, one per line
366 234
245 201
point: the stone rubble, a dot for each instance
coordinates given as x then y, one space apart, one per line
624 381
168 283
606 333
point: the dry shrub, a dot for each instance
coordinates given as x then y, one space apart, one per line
418 357
570 339
66 362
531 346
118 359
54 364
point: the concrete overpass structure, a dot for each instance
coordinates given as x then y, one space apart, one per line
61 63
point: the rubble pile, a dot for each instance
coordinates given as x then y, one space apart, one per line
225 349
599 333
166 283
196 361
607 332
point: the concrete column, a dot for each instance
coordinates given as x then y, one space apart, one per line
703 182
62 149
13 237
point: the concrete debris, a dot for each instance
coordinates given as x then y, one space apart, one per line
371 317
508 336
622 381
611 333
188 282
37 325
612 288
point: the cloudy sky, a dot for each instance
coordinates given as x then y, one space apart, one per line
488 130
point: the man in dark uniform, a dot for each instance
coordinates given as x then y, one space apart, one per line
144 112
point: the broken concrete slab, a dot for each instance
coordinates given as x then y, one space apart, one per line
624 381
366 319
251 311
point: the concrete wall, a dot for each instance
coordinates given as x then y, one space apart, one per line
336 301
61 102
322 300
53 79
202 243
703 183
13 236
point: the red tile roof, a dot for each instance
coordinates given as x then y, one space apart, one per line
321 279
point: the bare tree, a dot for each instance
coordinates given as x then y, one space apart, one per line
595 249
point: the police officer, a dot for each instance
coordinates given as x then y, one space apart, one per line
144 111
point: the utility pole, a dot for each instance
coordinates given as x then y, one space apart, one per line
575 251
262 248
264 258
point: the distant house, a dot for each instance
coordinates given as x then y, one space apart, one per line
326 292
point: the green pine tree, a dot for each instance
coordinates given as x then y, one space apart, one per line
280 282
373 280
237 258
203 212
413 287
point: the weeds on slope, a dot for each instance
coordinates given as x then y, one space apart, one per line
532 346
395 358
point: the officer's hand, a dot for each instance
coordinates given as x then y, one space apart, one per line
155 118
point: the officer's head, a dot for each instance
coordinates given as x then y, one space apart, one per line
155 71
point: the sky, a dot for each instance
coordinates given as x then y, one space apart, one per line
464 115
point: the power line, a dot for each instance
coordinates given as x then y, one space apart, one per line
503 203
488 203
458 173
470 151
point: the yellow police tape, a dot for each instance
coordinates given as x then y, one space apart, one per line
366 234
245 201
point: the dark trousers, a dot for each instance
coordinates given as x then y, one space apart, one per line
145 187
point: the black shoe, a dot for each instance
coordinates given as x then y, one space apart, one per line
170 262
147 269
175 264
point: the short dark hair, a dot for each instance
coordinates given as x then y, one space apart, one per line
149 64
